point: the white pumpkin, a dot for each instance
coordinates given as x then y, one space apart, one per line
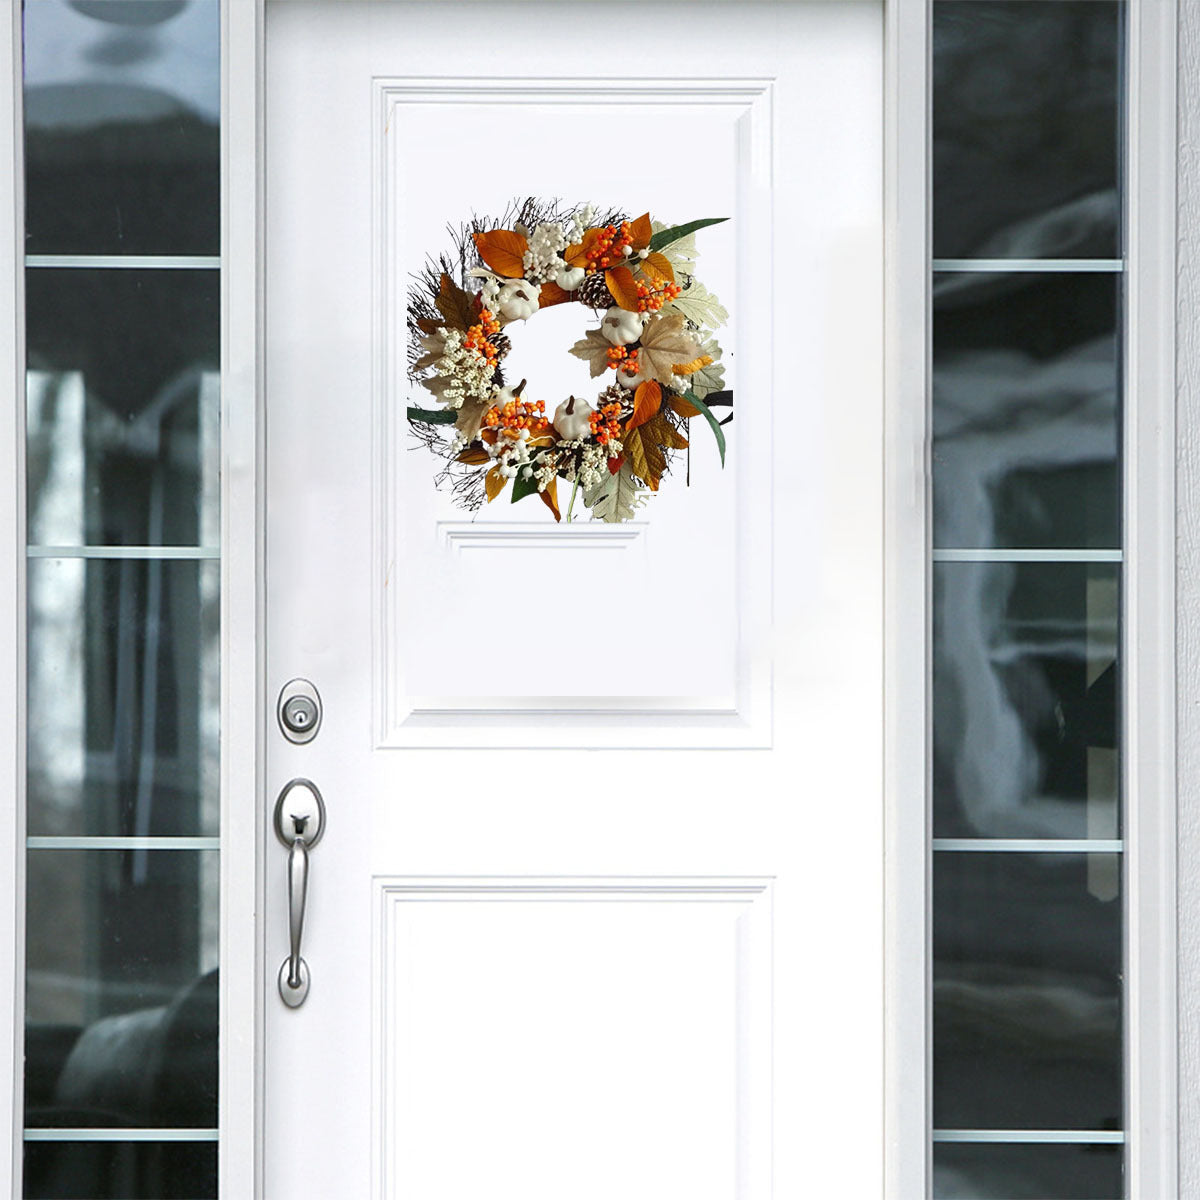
518 300
620 327
630 381
571 419
569 278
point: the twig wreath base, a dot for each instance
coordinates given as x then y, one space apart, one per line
654 333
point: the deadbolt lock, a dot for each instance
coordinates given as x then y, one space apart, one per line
299 711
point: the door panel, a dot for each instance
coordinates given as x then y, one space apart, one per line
582 923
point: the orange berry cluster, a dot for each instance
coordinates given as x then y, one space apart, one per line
627 360
651 299
477 337
609 248
606 423
516 414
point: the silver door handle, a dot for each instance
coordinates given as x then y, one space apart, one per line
299 823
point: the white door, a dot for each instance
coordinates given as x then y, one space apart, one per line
597 911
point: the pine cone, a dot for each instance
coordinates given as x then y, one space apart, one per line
593 291
502 342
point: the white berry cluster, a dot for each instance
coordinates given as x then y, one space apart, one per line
511 454
543 259
463 374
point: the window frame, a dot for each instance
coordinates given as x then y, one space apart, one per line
1149 647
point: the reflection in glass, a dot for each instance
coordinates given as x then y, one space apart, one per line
1008 1172
1025 686
123 407
1026 135
121 989
120 1170
1027 994
123 697
1026 410
122 144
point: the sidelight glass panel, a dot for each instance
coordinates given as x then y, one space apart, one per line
1026 403
122 305
1008 1172
121 989
121 1170
1027 991
1025 687
122 136
123 696
1026 415
1026 132
123 407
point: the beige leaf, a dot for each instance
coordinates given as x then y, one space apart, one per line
665 344
615 497
593 348
470 418
710 378
698 304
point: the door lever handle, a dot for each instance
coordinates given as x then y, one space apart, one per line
299 823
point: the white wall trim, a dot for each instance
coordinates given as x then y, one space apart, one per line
12 608
244 711
906 737
1148 651
1187 585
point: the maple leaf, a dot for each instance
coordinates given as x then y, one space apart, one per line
456 305
712 377
645 457
593 348
661 432
665 344
615 497
470 418
699 305
681 254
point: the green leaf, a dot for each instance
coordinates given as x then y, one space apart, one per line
523 487
706 413
433 416
615 497
664 237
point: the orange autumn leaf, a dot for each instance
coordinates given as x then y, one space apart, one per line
503 251
690 368
493 483
640 232
658 267
646 402
551 293
622 287
615 464
685 408
646 459
575 255
550 498
490 436
474 457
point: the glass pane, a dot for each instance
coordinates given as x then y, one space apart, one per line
123 697
123 404
1026 136
1026 410
122 143
121 989
120 1170
983 1172
1025 686
1027 991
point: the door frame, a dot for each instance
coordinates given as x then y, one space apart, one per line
1152 933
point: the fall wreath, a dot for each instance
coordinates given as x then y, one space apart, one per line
654 333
